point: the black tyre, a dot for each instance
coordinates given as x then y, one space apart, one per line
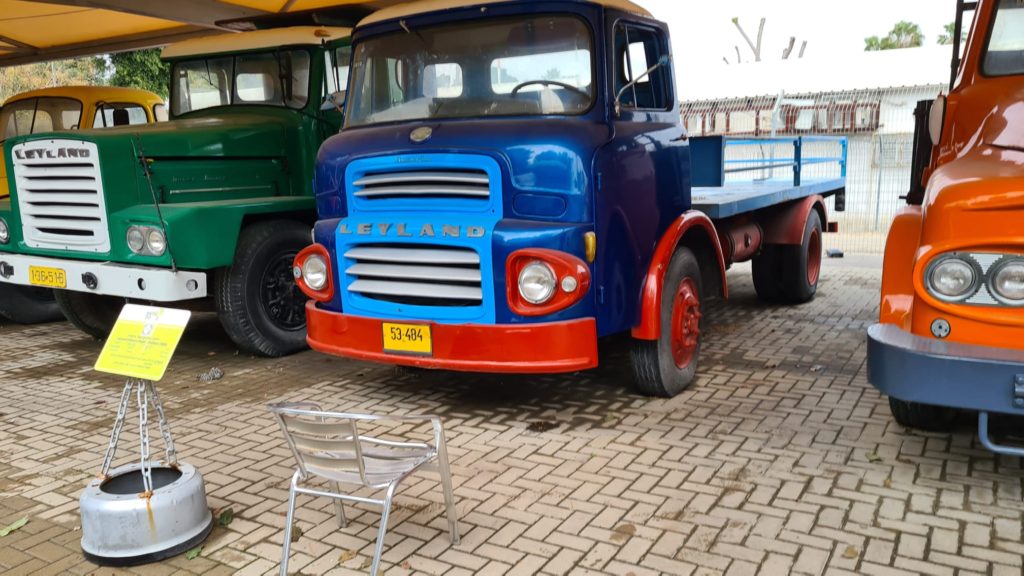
922 416
666 366
258 303
28 305
801 265
91 313
767 272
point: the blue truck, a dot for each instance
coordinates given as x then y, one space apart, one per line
513 182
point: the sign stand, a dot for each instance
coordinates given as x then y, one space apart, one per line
149 510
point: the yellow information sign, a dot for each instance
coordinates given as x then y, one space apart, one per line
142 342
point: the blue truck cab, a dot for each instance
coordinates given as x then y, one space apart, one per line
513 182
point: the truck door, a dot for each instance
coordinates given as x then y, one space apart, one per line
643 172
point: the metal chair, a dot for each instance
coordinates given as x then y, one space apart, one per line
328 445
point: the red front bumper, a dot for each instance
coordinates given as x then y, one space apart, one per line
524 348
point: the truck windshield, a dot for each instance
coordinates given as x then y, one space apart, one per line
278 78
541 65
35 115
1005 53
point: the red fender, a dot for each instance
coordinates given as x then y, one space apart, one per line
786 224
650 298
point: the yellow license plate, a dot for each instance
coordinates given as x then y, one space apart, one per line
48 277
407 338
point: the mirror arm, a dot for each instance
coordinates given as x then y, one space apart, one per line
618 96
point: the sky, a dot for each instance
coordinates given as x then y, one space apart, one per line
703 33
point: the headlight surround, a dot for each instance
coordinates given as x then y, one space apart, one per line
5 232
146 240
952 278
314 272
537 282
1006 281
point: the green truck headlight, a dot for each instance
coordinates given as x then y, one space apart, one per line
146 240
136 239
1008 282
5 232
156 242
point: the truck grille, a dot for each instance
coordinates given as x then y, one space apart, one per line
424 184
422 274
60 195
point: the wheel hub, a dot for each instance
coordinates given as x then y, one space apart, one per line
282 300
686 317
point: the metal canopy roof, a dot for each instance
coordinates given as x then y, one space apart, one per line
39 30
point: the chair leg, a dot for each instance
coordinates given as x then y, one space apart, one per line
339 506
379 548
288 525
449 497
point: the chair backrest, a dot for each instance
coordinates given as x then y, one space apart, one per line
322 442
121 117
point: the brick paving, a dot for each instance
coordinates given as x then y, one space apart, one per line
780 459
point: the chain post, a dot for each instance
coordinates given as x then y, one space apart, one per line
165 429
147 473
115 434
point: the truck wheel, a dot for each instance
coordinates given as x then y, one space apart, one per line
767 272
91 313
666 366
922 416
801 265
28 305
258 303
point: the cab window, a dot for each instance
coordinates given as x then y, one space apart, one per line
35 115
1004 55
119 114
637 49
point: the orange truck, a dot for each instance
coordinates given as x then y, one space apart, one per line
951 329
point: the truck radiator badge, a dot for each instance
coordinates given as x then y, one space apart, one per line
421 134
409 231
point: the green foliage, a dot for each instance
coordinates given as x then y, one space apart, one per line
80 71
903 35
140 69
946 37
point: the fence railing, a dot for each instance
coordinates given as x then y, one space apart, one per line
878 126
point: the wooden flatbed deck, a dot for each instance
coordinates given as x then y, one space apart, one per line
741 197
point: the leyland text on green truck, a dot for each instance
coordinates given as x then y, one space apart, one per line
204 211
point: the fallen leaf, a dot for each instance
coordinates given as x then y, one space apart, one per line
211 353
888 483
347 555
405 565
817 368
194 553
366 564
873 457
623 532
850 553
541 426
296 532
14 526
226 516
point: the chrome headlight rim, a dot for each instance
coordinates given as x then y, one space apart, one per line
5 232
550 285
148 240
307 273
161 242
993 273
976 282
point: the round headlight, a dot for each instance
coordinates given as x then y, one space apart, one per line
952 279
5 232
136 239
156 242
1008 282
536 282
314 272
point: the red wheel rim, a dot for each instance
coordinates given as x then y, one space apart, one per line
685 322
813 257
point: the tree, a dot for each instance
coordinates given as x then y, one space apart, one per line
946 37
552 74
903 35
17 79
139 69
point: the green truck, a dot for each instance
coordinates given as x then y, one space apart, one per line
205 211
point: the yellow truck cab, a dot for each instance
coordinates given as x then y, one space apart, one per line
59 110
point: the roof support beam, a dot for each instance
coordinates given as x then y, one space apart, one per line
106 45
202 13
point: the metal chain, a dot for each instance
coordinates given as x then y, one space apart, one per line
115 434
165 429
143 401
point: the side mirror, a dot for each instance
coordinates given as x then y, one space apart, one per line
663 61
334 101
935 119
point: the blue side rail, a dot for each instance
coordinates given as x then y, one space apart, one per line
710 165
